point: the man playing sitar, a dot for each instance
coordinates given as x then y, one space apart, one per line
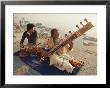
60 59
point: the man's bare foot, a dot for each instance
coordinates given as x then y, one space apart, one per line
78 64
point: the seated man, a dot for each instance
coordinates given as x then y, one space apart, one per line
31 35
60 59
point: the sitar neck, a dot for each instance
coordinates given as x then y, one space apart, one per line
75 35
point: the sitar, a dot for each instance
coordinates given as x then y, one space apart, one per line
73 36
45 54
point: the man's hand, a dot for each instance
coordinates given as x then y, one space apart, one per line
21 46
70 45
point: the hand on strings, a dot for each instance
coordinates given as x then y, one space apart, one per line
70 45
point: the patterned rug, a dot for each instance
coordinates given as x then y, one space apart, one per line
43 67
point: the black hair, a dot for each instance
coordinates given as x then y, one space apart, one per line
29 26
53 31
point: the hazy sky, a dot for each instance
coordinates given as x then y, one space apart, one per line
63 22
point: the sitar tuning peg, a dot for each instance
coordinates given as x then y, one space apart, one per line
70 32
85 20
66 35
81 23
77 26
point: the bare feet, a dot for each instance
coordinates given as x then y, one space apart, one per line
78 64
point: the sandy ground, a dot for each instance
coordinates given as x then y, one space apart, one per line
87 54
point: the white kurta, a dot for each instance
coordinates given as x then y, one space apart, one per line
60 61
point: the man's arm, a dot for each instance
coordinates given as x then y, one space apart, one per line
35 36
23 38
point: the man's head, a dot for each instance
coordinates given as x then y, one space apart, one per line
54 33
30 27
